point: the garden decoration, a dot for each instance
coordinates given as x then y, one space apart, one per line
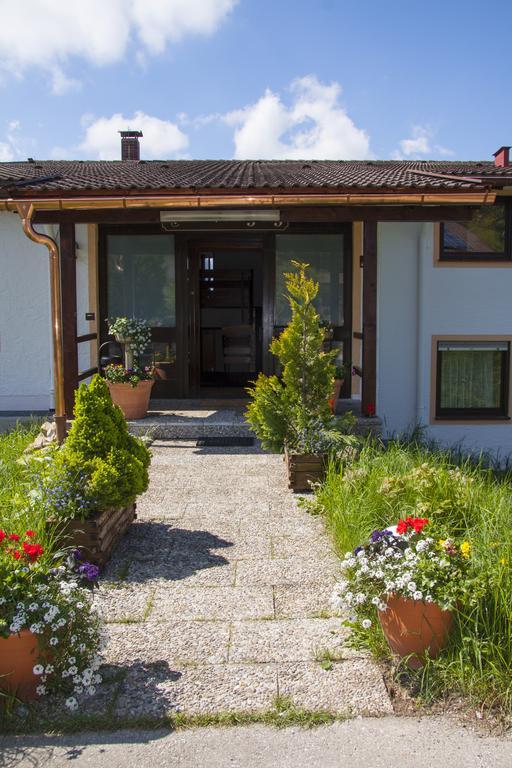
49 635
130 384
291 413
412 581
88 487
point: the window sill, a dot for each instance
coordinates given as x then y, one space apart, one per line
468 421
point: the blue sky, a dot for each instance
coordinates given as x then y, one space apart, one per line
255 78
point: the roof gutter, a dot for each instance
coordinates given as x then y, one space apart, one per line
218 201
26 211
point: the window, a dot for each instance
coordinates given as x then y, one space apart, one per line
472 379
485 237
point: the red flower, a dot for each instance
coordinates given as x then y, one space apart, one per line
370 410
3 535
14 537
402 526
331 404
33 551
418 523
16 554
29 534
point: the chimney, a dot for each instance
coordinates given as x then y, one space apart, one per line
130 147
501 157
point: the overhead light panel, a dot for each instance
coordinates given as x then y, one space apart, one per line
219 215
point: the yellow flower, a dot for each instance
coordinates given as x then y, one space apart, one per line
441 543
465 549
503 561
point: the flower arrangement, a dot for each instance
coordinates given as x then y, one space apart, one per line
131 331
51 599
118 374
407 560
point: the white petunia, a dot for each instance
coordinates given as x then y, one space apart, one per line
366 623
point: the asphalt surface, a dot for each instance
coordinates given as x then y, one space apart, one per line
368 743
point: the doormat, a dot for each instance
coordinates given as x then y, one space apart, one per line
225 442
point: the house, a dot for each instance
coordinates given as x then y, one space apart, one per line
413 259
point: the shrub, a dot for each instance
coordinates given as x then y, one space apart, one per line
293 411
100 461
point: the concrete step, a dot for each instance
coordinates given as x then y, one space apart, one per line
191 424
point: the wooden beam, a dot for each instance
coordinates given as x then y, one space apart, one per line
369 382
317 213
69 311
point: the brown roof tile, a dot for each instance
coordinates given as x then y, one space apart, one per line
68 177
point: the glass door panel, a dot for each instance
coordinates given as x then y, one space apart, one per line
141 283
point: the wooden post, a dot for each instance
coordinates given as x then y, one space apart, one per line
69 311
369 383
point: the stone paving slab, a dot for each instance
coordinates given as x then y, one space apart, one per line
218 597
353 687
219 603
286 640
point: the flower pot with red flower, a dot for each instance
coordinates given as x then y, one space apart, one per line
411 581
48 634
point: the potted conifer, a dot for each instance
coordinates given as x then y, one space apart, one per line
291 413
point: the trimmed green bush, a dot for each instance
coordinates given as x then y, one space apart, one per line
99 449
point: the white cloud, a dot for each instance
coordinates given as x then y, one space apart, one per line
6 153
313 126
11 144
162 138
420 143
47 33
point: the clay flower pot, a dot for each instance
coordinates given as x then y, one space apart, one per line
338 383
133 401
18 656
413 627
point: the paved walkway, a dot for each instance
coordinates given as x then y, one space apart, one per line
218 597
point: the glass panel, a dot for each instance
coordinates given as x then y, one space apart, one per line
141 278
471 378
324 253
483 235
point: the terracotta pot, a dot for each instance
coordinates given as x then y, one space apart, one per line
18 656
338 383
133 401
413 627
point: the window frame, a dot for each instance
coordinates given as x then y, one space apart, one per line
470 415
477 257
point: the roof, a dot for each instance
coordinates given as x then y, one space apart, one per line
75 177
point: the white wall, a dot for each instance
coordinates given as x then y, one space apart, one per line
25 326
417 301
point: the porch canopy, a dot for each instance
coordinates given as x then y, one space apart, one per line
297 193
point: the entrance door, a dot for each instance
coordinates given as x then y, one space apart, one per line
138 279
226 316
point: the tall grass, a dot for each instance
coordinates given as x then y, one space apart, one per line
17 511
472 502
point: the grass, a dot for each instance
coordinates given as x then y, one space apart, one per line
475 503
282 714
16 513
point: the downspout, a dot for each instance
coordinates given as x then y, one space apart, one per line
26 211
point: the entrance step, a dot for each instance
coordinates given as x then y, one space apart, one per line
191 424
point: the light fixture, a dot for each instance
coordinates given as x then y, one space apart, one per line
219 215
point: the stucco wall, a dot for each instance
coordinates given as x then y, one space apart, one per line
25 331
416 301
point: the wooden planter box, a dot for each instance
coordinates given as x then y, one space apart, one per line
304 469
98 534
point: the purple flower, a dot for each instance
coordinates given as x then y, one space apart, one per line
357 550
88 571
77 553
378 535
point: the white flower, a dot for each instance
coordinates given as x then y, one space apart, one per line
49 669
97 679
418 595
54 640
72 670
382 607
41 690
360 598
79 689
72 703
429 599
38 669
375 600
36 629
366 623
411 586
91 690
72 660
33 607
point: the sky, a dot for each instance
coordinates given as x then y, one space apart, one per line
255 79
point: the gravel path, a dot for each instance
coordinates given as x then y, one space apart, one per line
218 597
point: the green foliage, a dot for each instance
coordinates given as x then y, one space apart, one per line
99 447
464 499
295 408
